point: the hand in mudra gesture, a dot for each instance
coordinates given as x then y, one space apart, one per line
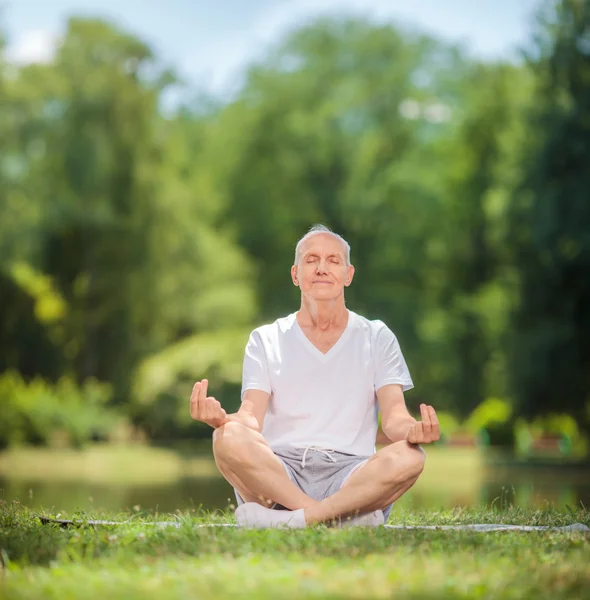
427 430
206 409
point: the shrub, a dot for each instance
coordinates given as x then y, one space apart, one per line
37 412
492 422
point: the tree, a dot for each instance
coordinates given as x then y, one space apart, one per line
471 288
340 126
550 225
123 215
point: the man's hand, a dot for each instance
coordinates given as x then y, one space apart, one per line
427 430
206 409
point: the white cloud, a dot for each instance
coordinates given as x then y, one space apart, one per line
36 46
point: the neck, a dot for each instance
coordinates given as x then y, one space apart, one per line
323 314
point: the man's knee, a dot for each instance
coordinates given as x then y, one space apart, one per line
230 442
403 461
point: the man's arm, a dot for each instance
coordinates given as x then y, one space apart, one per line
252 410
396 421
398 424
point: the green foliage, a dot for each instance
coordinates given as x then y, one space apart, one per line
550 225
449 424
38 412
492 423
120 222
469 288
139 249
491 411
163 382
572 438
50 307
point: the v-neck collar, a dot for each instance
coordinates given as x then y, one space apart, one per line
334 349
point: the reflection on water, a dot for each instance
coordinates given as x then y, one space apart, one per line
520 487
207 493
523 489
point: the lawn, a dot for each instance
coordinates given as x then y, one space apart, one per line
140 561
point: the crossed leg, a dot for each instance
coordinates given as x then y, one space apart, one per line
244 458
384 478
246 461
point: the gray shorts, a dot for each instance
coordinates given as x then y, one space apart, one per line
318 473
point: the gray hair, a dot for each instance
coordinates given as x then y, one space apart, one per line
315 230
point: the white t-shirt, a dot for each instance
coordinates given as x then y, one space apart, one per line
323 400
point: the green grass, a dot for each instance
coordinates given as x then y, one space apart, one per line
139 561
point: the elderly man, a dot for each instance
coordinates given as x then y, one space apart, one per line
301 448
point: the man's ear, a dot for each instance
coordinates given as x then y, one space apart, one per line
349 276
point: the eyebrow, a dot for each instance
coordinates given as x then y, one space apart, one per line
315 254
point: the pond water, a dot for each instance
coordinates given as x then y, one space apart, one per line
526 488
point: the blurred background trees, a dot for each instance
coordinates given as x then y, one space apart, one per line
138 248
550 226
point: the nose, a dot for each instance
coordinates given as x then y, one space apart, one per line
321 268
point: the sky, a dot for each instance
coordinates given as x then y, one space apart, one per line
209 43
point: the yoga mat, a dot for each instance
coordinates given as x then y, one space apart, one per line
475 527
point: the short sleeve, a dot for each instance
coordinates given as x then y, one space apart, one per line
390 365
255 370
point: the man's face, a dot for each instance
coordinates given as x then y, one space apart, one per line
322 272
